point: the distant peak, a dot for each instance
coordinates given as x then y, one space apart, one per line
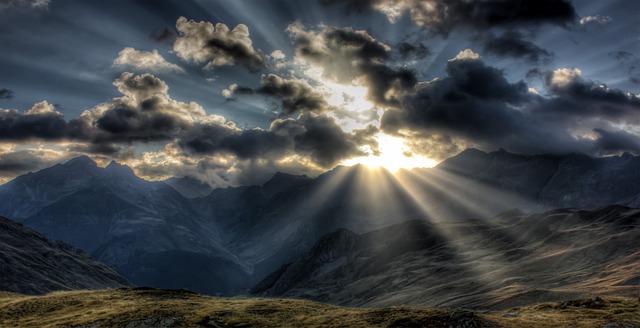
83 160
114 166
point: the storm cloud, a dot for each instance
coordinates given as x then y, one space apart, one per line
513 44
578 115
444 16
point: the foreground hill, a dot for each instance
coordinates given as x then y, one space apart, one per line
31 264
510 260
178 308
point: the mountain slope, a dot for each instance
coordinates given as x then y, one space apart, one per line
138 227
506 261
572 180
31 264
175 308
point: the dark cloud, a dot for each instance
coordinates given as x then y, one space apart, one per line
317 138
341 52
408 50
6 94
20 162
346 55
573 95
164 35
214 46
145 114
513 44
456 112
615 142
233 90
40 122
321 139
296 94
444 16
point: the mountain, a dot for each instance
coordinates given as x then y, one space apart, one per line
230 239
275 223
32 264
572 180
506 261
189 187
146 230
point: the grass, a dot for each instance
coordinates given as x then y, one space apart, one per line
178 308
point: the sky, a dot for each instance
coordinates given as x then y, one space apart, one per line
231 92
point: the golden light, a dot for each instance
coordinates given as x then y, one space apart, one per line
394 155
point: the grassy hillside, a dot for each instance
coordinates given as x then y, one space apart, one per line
141 307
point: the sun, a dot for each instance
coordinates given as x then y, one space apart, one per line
394 156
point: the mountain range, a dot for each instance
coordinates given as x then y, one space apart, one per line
178 234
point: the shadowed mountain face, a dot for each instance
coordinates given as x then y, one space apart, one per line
231 238
553 181
31 264
506 261
139 227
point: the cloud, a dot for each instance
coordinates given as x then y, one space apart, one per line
150 61
145 113
408 50
234 89
277 58
444 16
6 94
14 163
296 95
164 35
513 44
34 4
348 56
445 115
42 121
597 19
214 46
614 142
574 95
317 139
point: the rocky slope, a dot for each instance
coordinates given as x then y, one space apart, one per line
506 261
32 264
